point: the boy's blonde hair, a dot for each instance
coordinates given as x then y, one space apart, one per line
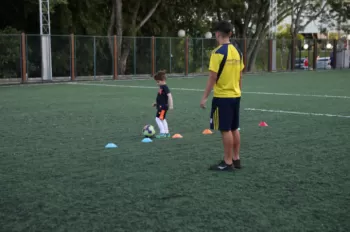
160 75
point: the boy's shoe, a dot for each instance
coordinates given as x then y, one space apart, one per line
222 166
161 136
237 164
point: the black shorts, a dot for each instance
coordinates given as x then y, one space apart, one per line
161 112
225 114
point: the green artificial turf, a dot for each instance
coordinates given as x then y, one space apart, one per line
56 175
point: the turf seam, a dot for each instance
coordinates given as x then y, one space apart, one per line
201 90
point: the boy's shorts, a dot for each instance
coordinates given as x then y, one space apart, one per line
225 114
161 112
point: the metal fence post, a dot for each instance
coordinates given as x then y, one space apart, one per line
314 65
115 58
72 44
135 60
335 43
24 58
155 54
94 57
269 68
292 61
202 55
170 54
152 62
245 55
186 56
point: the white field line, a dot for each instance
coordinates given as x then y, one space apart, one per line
201 90
297 113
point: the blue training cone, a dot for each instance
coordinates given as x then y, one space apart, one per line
111 145
146 140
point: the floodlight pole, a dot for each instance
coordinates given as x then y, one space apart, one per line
45 39
273 12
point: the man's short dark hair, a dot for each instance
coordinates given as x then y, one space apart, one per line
224 27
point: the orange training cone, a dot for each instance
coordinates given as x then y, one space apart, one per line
177 136
263 124
207 132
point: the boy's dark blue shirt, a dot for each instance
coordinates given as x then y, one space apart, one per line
162 96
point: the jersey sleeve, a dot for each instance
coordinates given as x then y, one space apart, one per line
215 61
166 89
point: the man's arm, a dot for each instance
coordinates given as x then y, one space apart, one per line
210 84
170 101
242 68
215 60
240 82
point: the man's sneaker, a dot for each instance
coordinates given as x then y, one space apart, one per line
168 135
222 166
237 164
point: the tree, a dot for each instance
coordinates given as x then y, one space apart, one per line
250 19
126 19
339 10
10 54
283 32
304 12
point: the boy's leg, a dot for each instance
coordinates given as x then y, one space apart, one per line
221 120
165 124
159 121
166 128
162 123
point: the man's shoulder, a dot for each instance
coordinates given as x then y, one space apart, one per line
237 50
218 50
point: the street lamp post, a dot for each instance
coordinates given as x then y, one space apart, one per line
306 47
207 35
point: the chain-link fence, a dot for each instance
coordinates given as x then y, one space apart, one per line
10 56
102 57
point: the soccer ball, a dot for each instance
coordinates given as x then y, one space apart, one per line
148 131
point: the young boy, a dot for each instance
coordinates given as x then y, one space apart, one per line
163 103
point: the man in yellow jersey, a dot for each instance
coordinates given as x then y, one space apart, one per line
226 65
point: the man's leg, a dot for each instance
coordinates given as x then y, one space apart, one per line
220 119
227 140
236 144
236 137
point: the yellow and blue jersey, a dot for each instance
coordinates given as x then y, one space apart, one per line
227 61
